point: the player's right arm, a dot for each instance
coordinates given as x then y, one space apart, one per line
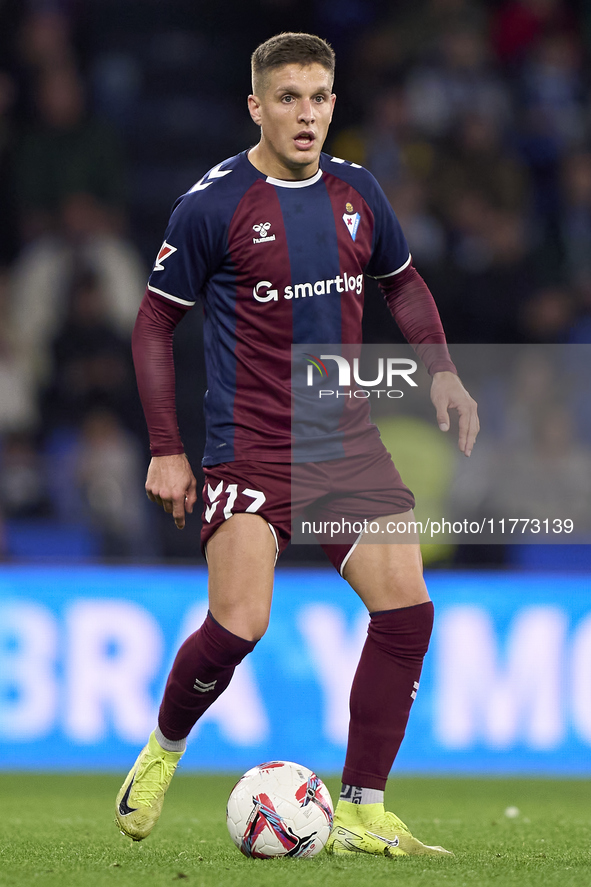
170 481
194 246
189 251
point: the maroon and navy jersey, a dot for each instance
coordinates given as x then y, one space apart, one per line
275 263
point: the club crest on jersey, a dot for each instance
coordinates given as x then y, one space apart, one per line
351 220
263 231
166 250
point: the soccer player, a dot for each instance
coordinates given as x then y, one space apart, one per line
275 242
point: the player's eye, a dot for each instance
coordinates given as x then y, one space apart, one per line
287 99
318 99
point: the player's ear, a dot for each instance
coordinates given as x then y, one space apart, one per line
333 99
254 106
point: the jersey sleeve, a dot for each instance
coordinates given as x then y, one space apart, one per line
154 369
414 310
194 246
390 253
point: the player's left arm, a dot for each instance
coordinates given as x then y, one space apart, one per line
414 310
447 392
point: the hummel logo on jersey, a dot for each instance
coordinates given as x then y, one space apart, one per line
262 230
166 250
351 220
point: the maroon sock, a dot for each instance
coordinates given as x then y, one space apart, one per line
383 690
202 670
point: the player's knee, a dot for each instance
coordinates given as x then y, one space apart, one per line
247 623
256 626
403 631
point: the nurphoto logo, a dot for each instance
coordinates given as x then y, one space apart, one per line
388 371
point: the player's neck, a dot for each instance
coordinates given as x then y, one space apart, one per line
270 165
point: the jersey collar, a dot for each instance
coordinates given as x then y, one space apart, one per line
295 183
284 183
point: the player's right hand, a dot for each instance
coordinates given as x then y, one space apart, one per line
171 483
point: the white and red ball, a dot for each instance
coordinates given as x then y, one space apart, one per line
279 809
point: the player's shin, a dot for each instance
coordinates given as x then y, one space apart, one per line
384 688
202 670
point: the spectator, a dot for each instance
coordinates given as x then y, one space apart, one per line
424 233
23 484
95 478
475 160
45 38
43 42
553 90
8 215
532 462
18 411
394 147
574 223
519 24
547 316
492 271
108 471
550 479
91 360
64 154
552 122
409 36
71 187
459 81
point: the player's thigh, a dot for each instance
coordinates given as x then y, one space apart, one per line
241 559
387 575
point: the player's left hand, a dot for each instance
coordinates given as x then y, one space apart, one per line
447 392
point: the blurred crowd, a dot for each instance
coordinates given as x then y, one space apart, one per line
475 116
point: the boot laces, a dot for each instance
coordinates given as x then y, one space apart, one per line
152 780
390 822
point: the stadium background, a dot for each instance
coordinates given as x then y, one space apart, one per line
475 116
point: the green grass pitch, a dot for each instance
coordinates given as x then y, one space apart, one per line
58 831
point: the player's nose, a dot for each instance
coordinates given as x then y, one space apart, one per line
306 114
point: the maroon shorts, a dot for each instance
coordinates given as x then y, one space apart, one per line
340 492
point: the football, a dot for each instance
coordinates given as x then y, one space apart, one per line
279 809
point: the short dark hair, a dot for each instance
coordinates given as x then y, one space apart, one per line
287 49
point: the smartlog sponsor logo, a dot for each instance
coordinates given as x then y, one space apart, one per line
389 370
264 291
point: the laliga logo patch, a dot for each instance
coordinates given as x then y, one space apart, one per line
351 220
166 250
262 230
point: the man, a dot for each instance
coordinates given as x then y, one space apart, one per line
245 239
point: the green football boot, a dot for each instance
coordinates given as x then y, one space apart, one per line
139 802
368 828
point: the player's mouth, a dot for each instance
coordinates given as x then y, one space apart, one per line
304 139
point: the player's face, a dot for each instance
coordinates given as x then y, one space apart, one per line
294 113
